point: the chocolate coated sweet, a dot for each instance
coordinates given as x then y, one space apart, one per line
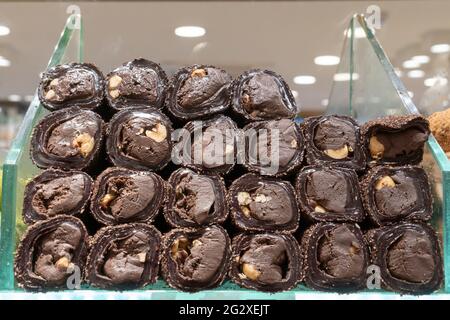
196 259
208 146
54 193
336 257
395 140
394 194
195 200
198 91
273 147
122 195
329 194
124 256
263 204
139 138
71 85
136 83
266 261
333 140
408 256
262 95
67 139
49 252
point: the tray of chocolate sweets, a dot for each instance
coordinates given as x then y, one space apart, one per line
133 184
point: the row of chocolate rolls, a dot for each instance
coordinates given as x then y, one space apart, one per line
193 92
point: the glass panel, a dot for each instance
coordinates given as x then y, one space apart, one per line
17 168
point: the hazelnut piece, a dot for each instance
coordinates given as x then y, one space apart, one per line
84 143
158 133
62 263
376 148
250 271
384 182
198 73
106 200
114 82
319 209
337 154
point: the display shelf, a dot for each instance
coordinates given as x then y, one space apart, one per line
376 91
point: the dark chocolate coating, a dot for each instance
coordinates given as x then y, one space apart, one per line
409 257
263 204
262 95
336 257
266 261
274 147
199 140
403 138
334 190
139 138
124 256
70 138
139 83
333 132
50 252
54 193
196 259
77 85
410 199
122 195
198 91
195 200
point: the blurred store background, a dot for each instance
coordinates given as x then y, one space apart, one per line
301 40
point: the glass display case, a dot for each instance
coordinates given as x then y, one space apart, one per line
374 90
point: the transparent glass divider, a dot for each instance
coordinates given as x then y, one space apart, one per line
18 168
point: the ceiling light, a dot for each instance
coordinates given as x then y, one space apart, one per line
4 62
4 30
303 79
294 93
411 64
430 82
421 59
416 74
190 31
326 60
344 76
324 102
440 48
14 98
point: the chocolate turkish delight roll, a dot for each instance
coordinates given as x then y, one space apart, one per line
124 256
136 83
71 138
196 259
263 204
208 146
273 147
266 261
394 194
395 140
336 257
54 193
198 91
329 194
71 85
333 140
139 138
50 252
195 200
262 95
408 256
122 195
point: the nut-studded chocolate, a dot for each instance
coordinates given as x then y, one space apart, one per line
136 83
394 194
71 85
54 193
266 261
70 138
408 256
196 259
395 140
329 194
262 95
124 256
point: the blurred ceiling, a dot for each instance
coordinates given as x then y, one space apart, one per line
283 36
